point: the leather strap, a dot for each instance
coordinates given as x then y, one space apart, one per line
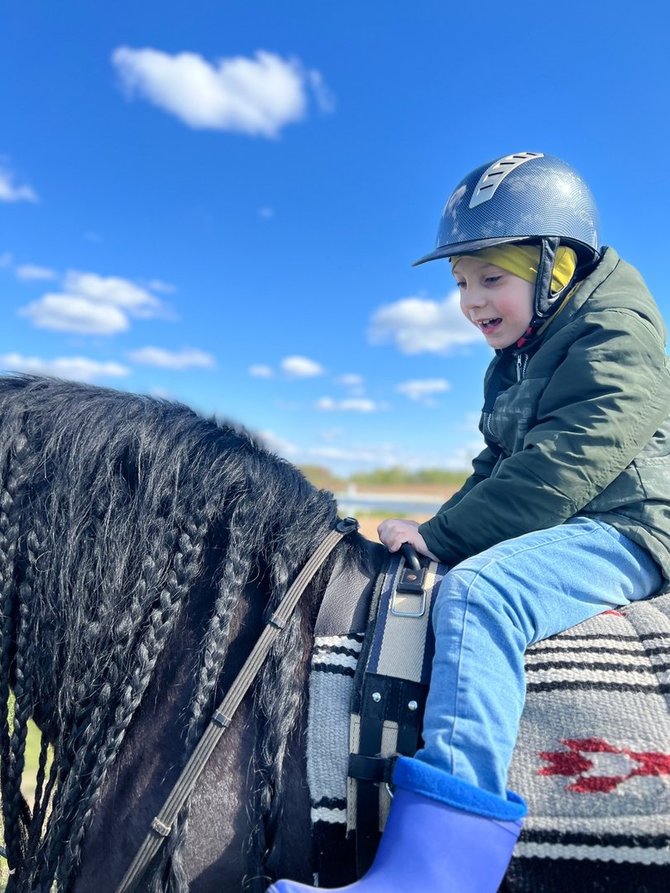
389 711
162 824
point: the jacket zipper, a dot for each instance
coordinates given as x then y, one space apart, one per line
521 363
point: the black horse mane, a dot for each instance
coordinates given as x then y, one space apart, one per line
114 509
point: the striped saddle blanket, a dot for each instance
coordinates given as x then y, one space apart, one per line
592 757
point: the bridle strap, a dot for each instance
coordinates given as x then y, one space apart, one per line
161 826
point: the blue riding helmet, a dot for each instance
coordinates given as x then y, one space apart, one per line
524 197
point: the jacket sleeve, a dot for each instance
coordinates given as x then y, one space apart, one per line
599 409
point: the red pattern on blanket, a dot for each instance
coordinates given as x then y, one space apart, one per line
574 762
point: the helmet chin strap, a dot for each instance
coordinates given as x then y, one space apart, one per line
544 301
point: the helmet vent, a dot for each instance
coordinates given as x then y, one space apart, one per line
496 173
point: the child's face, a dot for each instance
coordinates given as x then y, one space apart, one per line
499 303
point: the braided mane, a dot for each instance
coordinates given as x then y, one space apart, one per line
114 508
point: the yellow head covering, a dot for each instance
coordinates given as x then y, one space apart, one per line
523 260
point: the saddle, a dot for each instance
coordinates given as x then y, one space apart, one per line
593 753
368 688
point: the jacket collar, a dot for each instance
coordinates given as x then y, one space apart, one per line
575 301
586 287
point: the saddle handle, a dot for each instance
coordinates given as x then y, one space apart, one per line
411 558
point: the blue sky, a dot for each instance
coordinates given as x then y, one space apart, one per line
220 201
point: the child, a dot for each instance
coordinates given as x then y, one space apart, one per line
566 513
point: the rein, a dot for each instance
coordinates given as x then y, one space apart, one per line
161 826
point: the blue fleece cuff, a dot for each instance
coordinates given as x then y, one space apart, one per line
415 775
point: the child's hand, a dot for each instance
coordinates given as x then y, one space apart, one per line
393 533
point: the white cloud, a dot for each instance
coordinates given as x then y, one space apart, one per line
331 434
165 288
69 313
353 382
93 305
351 404
376 456
422 390
418 325
350 380
163 394
351 457
77 368
261 371
323 94
278 444
188 358
257 96
31 272
301 367
10 191
114 291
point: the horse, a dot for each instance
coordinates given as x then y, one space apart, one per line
142 549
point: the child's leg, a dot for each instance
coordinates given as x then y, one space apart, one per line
490 608
452 826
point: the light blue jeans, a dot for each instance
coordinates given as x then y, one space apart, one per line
489 609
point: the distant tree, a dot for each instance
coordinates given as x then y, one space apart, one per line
322 477
440 476
400 476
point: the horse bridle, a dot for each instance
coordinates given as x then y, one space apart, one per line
162 824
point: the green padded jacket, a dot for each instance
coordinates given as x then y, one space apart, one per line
577 423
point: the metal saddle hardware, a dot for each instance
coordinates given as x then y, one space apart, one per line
410 583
